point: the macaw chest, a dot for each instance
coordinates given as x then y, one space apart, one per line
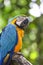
19 43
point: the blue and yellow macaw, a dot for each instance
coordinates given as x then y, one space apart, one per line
11 37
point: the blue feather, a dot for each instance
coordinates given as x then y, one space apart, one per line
8 39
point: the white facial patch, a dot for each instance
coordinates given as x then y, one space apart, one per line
20 19
18 23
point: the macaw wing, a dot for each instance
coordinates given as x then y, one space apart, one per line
8 39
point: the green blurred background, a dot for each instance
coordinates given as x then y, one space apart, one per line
33 40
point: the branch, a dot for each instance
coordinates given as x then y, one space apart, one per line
19 59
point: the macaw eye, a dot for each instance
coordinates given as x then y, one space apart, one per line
25 21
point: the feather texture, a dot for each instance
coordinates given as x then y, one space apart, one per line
8 39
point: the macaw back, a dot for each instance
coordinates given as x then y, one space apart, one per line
8 40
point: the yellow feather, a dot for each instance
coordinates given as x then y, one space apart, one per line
13 22
20 36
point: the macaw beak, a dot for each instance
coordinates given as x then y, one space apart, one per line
25 23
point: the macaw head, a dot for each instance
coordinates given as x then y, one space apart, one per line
21 21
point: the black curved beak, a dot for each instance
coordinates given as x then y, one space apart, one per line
24 23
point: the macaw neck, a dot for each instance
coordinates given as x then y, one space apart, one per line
20 32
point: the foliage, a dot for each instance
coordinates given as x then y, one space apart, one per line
33 39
